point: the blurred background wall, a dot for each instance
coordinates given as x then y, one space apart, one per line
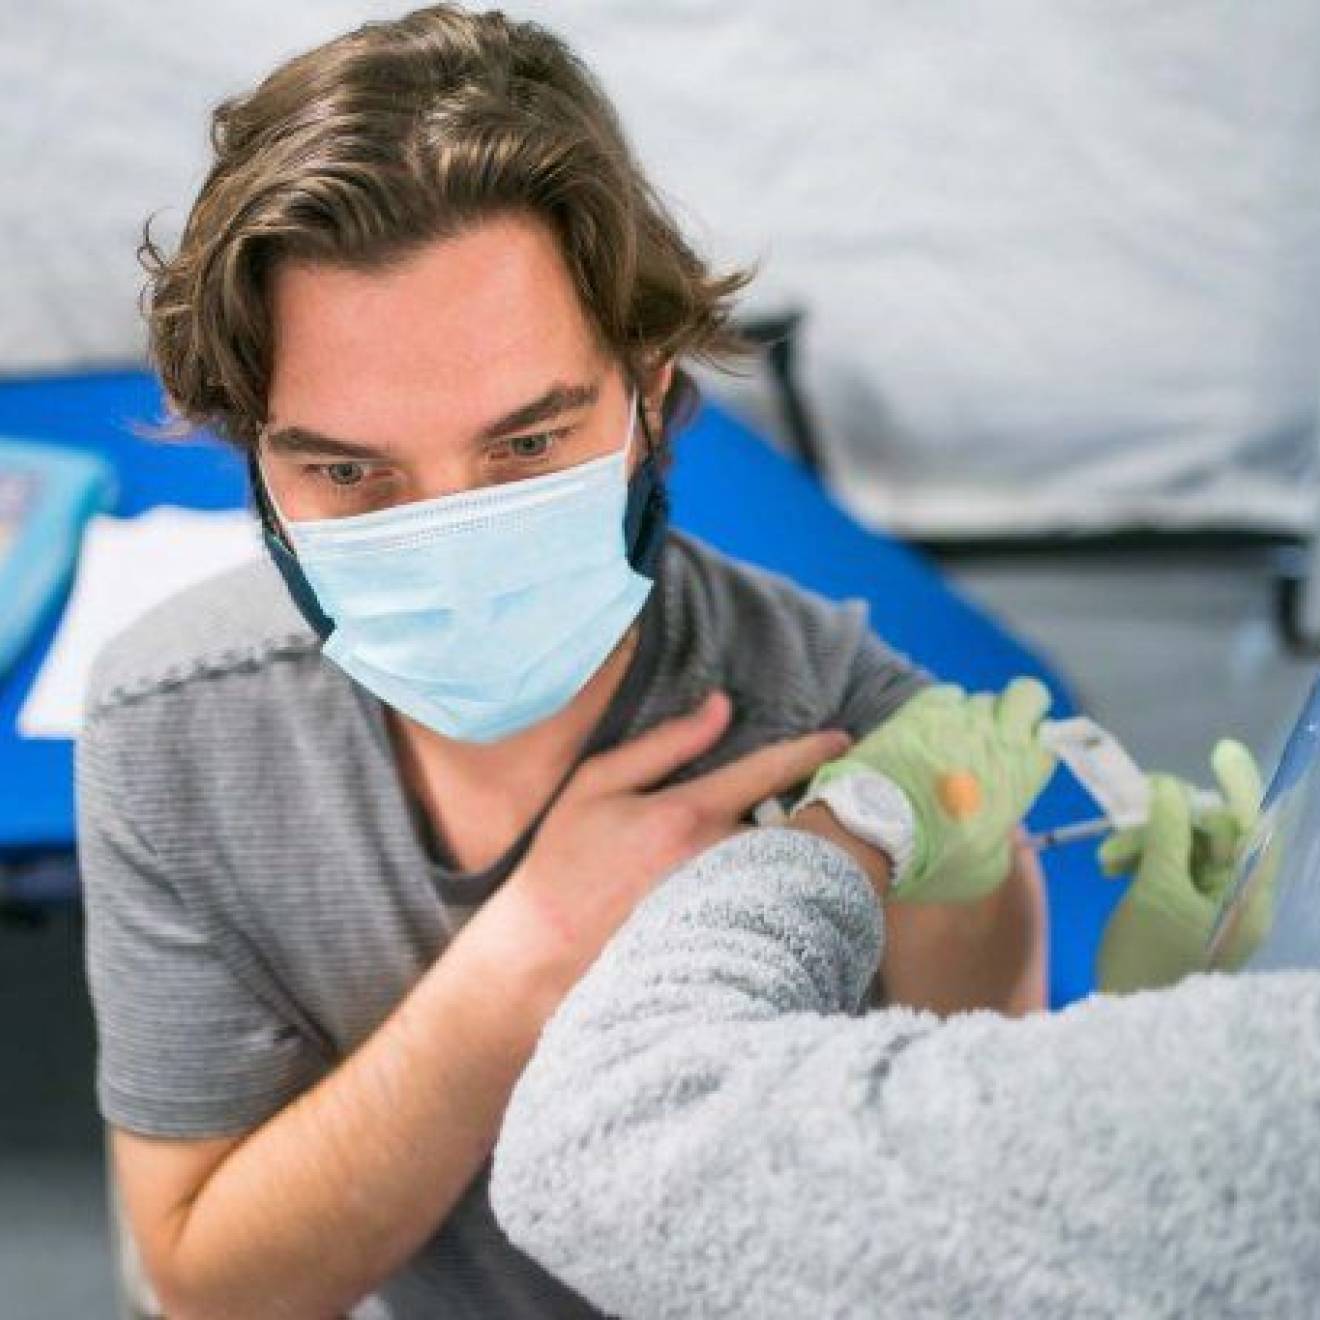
1061 257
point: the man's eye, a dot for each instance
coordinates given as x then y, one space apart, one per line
344 474
531 446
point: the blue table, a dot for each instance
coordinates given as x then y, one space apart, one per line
728 487
100 413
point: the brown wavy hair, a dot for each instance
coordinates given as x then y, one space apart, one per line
399 134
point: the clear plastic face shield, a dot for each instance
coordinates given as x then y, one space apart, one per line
1284 853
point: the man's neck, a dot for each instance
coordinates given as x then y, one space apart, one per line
513 776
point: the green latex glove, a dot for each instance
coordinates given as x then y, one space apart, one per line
1184 862
971 767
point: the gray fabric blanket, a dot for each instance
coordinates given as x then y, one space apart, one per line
711 1128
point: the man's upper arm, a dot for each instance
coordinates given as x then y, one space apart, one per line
878 682
949 958
189 1059
955 957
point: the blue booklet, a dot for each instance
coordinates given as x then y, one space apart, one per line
18 492
47 495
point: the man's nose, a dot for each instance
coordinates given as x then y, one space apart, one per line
447 475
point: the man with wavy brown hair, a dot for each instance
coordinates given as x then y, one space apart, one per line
354 820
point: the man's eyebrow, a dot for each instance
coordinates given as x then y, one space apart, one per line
304 440
558 399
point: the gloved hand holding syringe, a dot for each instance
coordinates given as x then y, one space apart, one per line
1103 767
942 785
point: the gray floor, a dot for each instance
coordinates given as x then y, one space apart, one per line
54 1256
1167 652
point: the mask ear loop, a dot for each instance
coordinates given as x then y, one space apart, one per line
268 510
647 514
638 410
282 553
633 399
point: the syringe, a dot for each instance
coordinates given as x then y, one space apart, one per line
1061 834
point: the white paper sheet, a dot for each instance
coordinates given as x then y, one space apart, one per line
126 567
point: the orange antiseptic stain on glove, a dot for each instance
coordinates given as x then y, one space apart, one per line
959 793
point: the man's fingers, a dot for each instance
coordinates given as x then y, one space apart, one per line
1239 780
731 791
1024 703
658 752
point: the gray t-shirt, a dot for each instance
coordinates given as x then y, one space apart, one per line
261 893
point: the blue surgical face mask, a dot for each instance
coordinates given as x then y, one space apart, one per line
480 613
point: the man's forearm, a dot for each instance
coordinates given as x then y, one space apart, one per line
336 1192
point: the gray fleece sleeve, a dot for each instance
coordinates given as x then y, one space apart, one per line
709 1128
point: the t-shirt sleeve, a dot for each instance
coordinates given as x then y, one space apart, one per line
878 682
185 1048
